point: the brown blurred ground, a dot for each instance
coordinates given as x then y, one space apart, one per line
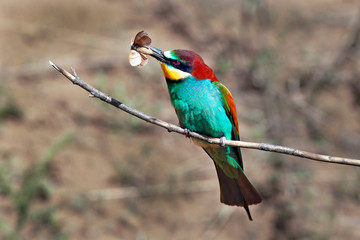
292 67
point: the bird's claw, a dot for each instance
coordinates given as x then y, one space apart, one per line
222 141
187 132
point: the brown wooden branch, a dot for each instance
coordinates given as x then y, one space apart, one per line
75 79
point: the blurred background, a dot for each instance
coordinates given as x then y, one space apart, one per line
72 167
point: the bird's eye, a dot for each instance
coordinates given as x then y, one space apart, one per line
176 62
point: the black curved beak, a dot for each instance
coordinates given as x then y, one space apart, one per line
157 54
151 51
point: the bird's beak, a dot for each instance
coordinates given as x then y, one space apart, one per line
151 51
157 54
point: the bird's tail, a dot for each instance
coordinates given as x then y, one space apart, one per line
238 192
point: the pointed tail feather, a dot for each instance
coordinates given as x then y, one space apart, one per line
239 192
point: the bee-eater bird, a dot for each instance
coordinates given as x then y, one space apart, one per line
205 106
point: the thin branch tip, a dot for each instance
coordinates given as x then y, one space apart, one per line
54 65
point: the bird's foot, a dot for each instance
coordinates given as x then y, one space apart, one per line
187 132
222 141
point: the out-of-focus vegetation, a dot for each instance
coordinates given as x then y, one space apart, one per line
292 68
26 189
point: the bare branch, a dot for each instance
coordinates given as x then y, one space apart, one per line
75 79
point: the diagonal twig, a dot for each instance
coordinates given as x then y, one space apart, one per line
75 79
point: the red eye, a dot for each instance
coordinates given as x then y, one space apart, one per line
176 62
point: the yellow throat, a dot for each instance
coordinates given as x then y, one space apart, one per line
172 73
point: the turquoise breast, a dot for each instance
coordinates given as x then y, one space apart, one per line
199 107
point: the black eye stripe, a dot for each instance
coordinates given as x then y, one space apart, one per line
179 65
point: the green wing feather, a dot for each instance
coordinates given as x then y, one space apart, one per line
230 108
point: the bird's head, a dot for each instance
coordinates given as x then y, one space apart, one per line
178 65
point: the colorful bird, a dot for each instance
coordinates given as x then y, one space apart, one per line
205 106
